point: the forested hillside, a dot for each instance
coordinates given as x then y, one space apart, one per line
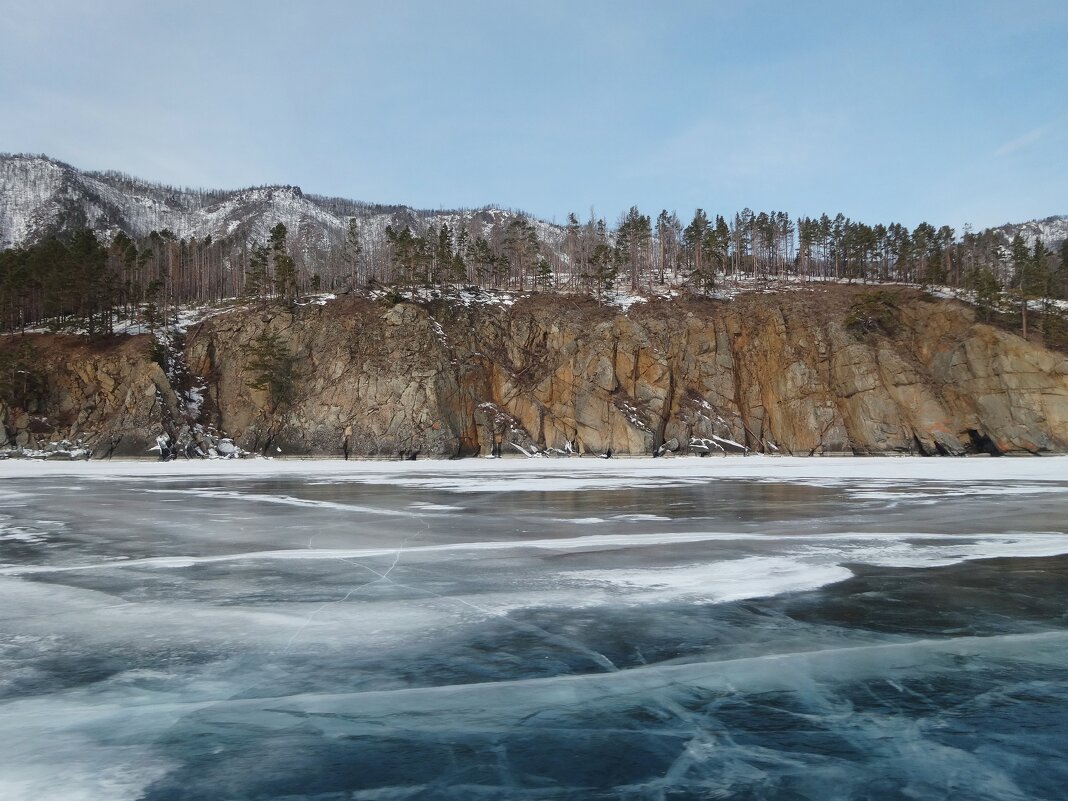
86 249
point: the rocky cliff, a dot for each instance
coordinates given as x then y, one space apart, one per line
108 397
800 372
841 369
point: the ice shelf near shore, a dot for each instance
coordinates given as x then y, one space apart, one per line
487 475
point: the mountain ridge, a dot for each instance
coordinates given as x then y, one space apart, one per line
42 196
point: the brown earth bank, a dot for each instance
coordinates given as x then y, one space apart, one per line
826 370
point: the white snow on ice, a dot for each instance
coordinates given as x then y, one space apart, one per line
521 475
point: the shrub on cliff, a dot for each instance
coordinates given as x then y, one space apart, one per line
272 368
21 381
873 313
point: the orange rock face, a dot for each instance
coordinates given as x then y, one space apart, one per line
782 373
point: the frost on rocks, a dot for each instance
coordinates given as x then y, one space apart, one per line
64 451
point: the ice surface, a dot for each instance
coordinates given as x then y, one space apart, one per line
730 580
481 476
753 627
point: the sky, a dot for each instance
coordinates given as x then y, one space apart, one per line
941 111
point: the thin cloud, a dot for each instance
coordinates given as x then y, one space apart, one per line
753 144
1025 140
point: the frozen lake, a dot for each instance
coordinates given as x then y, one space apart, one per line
758 628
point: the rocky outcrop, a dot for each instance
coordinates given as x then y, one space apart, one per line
109 397
776 373
382 379
791 372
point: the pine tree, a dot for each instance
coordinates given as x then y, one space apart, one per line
987 292
722 234
89 289
1021 263
694 237
574 250
1061 275
272 368
354 253
257 278
667 226
521 246
408 254
482 257
543 274
285 271
459 259
633 235
1040 277
443 253
602 268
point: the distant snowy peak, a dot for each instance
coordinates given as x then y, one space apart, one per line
1052 231
40 196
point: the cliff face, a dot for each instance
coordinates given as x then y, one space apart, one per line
793 373
801 372
109 397
383 375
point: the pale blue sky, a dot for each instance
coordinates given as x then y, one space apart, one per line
949 112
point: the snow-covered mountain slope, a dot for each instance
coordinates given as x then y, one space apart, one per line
1052 231
40 196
